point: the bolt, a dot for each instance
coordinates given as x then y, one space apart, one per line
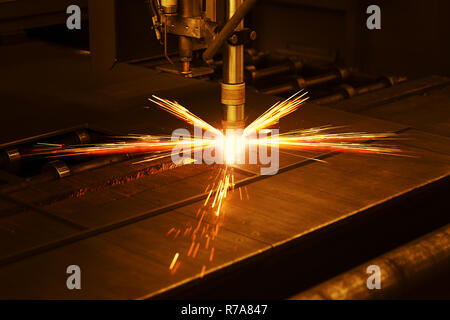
234 39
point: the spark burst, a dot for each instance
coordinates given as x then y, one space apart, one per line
210 215
276 112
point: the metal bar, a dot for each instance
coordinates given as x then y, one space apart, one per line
49 176
290 67
43 136
227 30
401 268
301 83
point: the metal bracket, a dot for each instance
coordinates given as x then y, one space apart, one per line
189 27
59 168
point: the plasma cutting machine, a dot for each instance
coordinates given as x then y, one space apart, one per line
309 231
196 28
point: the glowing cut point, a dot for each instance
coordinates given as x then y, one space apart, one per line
233 144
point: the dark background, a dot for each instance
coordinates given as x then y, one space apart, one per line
413 40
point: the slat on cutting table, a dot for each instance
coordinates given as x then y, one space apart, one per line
162 189
427 141
27 229
126 263
426 112
8 208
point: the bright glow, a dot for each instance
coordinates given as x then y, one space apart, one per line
233 144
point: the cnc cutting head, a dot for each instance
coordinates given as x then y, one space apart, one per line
233 100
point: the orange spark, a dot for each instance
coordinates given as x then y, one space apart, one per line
174 260
202 273
182 113
196 250
276 112
170 231
191 248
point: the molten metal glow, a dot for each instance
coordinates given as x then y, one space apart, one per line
233 144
